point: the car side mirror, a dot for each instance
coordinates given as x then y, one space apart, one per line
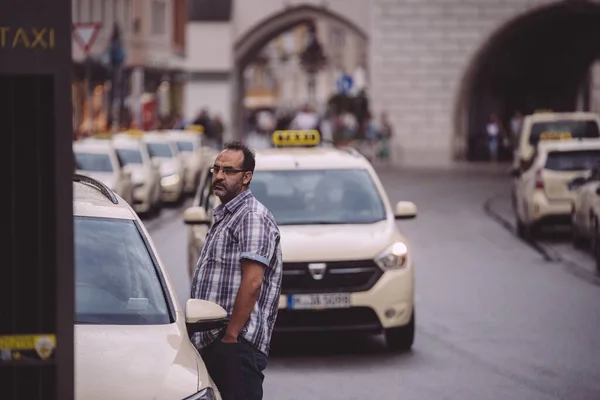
405 210
203 315
196 216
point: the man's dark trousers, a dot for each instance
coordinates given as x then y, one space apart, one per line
236 368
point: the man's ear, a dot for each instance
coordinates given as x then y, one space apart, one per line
247 178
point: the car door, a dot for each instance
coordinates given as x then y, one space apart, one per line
586 198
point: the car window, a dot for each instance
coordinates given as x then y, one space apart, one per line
563 129
130 156
577 160
185 145
162 150
345 196
117 281
93 162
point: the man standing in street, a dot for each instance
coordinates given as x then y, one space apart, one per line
240 268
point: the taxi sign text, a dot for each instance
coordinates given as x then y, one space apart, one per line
26 38
296 138
556 136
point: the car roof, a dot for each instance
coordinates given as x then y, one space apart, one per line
568 145
90 199
554 116
309 158
124 140
157 136
96 145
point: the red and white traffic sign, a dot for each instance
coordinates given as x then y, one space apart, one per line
85 34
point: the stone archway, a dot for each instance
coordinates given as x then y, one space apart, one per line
538 60
262 33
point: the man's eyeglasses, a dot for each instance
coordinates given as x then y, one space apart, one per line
226 170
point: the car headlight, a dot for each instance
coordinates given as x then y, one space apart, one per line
204 394
170 180
394 257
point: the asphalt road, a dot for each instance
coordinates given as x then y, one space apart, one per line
495 320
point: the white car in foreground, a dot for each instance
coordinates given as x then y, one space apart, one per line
131 335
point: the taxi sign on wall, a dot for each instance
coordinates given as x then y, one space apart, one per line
307 138
556 136
26 347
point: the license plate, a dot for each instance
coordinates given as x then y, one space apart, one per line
319 301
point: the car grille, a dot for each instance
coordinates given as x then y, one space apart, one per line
339 276
345 319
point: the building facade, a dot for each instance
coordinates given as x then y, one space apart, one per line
152 80
277 80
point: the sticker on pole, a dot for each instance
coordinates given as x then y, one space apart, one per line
27 347
85 34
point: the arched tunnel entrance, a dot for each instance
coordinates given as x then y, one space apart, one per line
540 60
249 46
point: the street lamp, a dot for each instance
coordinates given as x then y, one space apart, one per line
312 59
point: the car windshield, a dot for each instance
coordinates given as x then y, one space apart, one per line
162 150
93 162
563 129
185 146
306 197
578 160
116 279
130 156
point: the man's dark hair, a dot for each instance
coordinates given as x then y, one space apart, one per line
249 161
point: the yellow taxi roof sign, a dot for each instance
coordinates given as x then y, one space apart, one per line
195 128
102 135
291 138
135 132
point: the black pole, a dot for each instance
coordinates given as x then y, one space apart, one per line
37 296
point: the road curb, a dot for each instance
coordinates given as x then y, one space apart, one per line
488 208
547 252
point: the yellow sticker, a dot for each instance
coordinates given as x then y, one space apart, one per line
556 136
195 128
296 138
43 345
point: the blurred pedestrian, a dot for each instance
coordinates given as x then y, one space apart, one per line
493 133
240 268
386 133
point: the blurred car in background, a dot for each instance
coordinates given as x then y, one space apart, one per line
172 170
145 173
98 159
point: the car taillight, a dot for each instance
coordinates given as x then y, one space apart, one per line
539 183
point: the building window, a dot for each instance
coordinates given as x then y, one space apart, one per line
209 10
159 16
179 24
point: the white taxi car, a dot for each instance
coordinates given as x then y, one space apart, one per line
189 145
543 193
147 191
131 335
97 158
172 170
546 125
583 211
345 264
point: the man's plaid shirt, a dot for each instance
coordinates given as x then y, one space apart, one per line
242 229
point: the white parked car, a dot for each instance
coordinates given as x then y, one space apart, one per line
145 173
172 169
97 158
189 145
131 335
